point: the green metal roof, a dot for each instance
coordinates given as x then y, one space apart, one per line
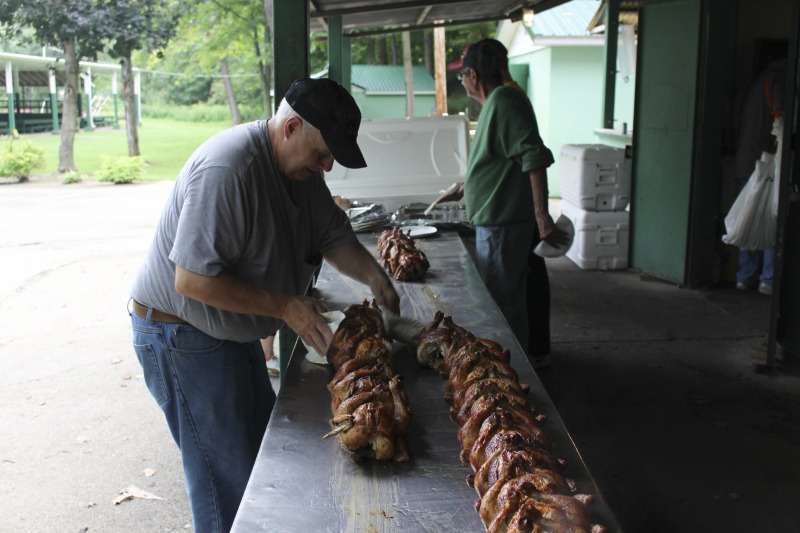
391 79
567 20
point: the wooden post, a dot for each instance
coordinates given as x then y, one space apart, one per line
10 92
440 69
51 78
409 74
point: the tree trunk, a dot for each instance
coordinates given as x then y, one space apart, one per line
236 117
266 72
265 99
427 47
69 110
383 56
130 107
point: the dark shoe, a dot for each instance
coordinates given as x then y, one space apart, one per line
274 367
746 286
765 287
540 362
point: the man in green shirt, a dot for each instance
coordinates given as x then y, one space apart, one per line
505 189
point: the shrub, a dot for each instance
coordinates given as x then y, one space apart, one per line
18 157
73 176
121 169
200 112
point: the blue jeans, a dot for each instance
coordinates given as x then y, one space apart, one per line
217 399
755 265
502 253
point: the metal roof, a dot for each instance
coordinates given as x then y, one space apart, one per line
567 20
364 17
391 79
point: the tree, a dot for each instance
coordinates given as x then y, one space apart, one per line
131 25
229 36
72 25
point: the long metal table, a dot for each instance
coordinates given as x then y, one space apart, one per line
303 483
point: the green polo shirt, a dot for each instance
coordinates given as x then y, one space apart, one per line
506 147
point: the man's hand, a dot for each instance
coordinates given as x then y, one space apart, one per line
343 203
385 294
302 315
550 233
454 196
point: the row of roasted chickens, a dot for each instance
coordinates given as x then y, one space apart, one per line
368 401
520 482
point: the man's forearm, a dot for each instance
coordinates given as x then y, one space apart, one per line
541 194
354 261
227 292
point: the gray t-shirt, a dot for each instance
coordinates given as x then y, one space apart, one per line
230 212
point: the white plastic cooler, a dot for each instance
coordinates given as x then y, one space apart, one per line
601 238
408 160
594 177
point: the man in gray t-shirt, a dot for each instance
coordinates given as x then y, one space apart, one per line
248 222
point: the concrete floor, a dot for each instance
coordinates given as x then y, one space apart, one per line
654 382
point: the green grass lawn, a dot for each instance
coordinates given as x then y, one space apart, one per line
164 144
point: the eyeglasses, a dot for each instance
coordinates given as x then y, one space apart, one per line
463 74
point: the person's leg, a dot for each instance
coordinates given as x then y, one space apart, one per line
767 267
502 253
268 345
749 267
217 398
273 362
538 305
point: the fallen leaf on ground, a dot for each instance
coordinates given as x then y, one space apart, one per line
116 361
133 491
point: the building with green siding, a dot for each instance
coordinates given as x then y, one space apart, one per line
560 64
380 91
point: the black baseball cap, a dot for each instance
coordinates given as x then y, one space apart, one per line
327 106
484 57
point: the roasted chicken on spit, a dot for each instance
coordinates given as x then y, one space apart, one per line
400 256
519 480
368 401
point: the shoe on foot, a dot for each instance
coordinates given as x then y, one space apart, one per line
746 285
274 366
541 362
765 287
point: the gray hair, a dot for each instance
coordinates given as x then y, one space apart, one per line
285 112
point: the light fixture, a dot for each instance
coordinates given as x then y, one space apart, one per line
527 17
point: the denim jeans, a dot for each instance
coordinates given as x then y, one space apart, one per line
217 399
502 253
755 265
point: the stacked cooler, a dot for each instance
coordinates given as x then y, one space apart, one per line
595 182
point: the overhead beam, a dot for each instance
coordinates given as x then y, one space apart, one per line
511 11
374 8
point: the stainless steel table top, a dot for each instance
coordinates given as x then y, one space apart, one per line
303 483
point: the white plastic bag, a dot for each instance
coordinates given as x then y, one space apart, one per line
751 223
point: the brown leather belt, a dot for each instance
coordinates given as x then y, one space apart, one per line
156 315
